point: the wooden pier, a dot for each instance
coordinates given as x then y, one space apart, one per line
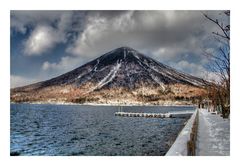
154 115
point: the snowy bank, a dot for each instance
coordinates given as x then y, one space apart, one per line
179 147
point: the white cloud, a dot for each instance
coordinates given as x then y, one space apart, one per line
49 29
41 40
17 81
167 53
46 65
193 67
196 70
66 64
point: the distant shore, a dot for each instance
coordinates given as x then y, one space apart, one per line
104 104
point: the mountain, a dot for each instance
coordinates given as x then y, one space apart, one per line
122 76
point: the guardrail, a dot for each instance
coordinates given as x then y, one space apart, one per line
180 146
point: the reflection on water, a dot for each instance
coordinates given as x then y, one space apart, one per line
90 130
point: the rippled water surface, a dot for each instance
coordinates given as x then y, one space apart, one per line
91 130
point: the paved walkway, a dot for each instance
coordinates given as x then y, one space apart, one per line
213 137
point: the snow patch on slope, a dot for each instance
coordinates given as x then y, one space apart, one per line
95 66
80 75
158 81
124 53
94 69
135 54
140 63
111 75
152 76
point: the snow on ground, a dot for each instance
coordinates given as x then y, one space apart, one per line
213 135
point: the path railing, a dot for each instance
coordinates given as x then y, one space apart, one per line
180 146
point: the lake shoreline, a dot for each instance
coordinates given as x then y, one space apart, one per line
102 104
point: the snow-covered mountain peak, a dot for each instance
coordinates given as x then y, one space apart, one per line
121 68
121 74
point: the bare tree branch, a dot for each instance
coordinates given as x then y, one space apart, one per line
220 64
216 33
217 23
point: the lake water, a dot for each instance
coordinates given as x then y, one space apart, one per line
91 130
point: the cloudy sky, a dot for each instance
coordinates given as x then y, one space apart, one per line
45 44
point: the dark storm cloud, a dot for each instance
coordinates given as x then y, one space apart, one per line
142 29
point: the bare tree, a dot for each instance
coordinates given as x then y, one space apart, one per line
219 92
